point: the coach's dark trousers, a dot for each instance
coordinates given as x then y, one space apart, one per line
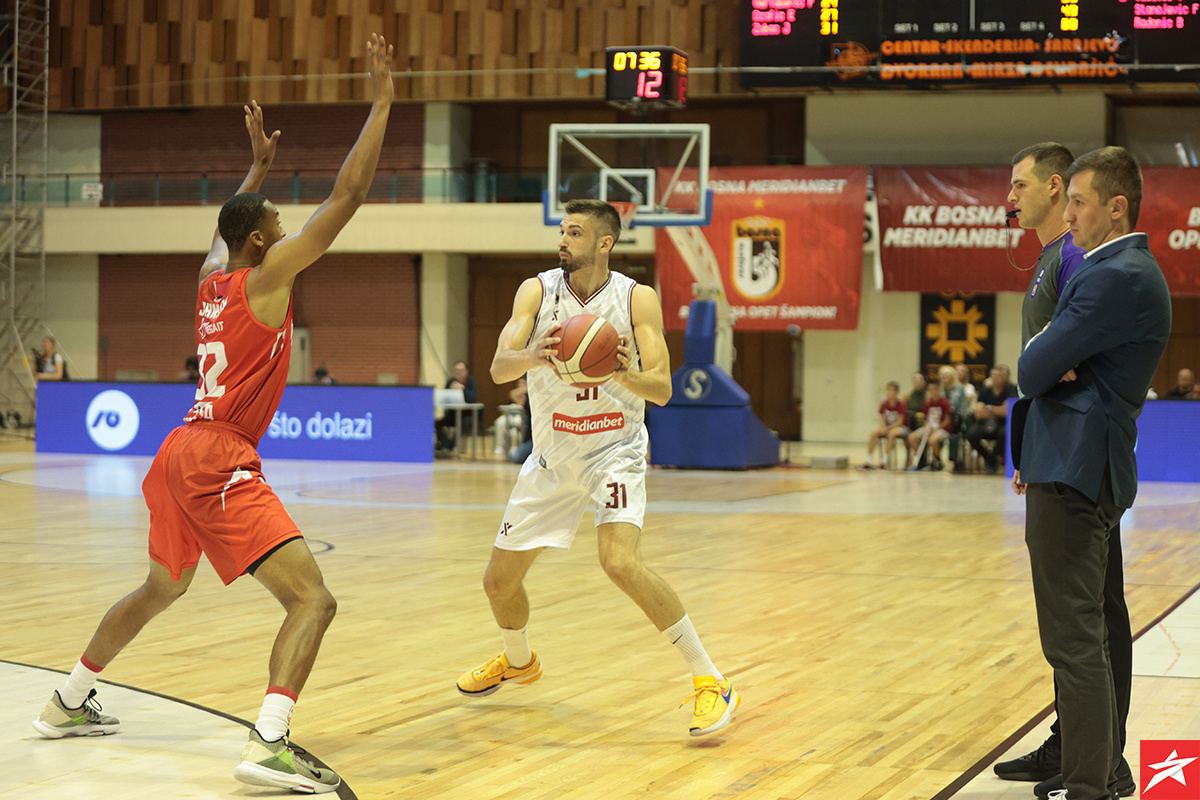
1067 536
1120 634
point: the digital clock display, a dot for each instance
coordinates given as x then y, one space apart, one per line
901 42
645 77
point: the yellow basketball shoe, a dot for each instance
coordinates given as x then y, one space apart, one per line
489 677
57 721
276 764
715 703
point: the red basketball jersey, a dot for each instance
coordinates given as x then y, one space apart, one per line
243 363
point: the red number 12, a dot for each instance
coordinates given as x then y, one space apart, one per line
648 83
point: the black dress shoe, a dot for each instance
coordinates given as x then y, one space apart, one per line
1125 786
1043 763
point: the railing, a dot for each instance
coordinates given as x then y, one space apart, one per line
478 185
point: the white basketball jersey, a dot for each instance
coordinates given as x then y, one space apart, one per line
571 423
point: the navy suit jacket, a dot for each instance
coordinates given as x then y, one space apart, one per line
1111 325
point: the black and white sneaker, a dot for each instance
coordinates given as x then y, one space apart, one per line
1042 764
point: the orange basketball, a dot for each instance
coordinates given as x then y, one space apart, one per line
587 354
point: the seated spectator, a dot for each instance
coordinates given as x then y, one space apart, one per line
960 405
191 370
963 373
1185 387
516 396
50 364
321 376
991 412
461 379
915 401
892 414
937 427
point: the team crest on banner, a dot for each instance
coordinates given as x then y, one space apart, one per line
785 246
758 256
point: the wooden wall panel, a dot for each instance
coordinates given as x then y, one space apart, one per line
361 310
229 49
214 140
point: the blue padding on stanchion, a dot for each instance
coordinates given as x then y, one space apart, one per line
708 423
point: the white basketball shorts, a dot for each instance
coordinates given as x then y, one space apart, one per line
548 503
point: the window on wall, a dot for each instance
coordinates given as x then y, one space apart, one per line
1159 135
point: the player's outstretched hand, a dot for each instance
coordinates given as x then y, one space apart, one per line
264 148
379 63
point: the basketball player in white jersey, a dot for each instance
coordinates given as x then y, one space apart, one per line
589 448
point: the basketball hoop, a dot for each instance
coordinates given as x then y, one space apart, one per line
627 212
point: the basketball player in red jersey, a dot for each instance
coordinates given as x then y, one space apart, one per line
205 489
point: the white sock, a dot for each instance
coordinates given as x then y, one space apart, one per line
79 684
683 635
276 714
516 646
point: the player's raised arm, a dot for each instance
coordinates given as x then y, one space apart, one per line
264 154
288 257
653 382
513 359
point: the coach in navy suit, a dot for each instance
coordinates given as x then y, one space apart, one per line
1088 373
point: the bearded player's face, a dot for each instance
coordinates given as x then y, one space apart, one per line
578 244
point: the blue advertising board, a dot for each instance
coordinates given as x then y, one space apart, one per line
1168 436
1168 440
340 423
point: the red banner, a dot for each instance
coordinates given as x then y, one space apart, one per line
787 241
942 229
1171 215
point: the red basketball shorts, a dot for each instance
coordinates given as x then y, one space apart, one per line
206 494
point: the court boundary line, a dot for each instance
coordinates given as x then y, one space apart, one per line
972 772
344 792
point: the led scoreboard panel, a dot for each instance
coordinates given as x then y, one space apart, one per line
901 42
645 77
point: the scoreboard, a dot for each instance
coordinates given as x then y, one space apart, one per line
903 42
645 77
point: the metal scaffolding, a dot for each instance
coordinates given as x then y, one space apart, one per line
24 84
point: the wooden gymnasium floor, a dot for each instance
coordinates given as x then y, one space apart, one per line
880 628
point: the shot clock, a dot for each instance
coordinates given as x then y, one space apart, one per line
645 77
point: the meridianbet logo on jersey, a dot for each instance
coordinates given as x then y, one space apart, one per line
1170 769
596 423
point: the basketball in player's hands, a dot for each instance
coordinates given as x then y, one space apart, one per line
587 352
